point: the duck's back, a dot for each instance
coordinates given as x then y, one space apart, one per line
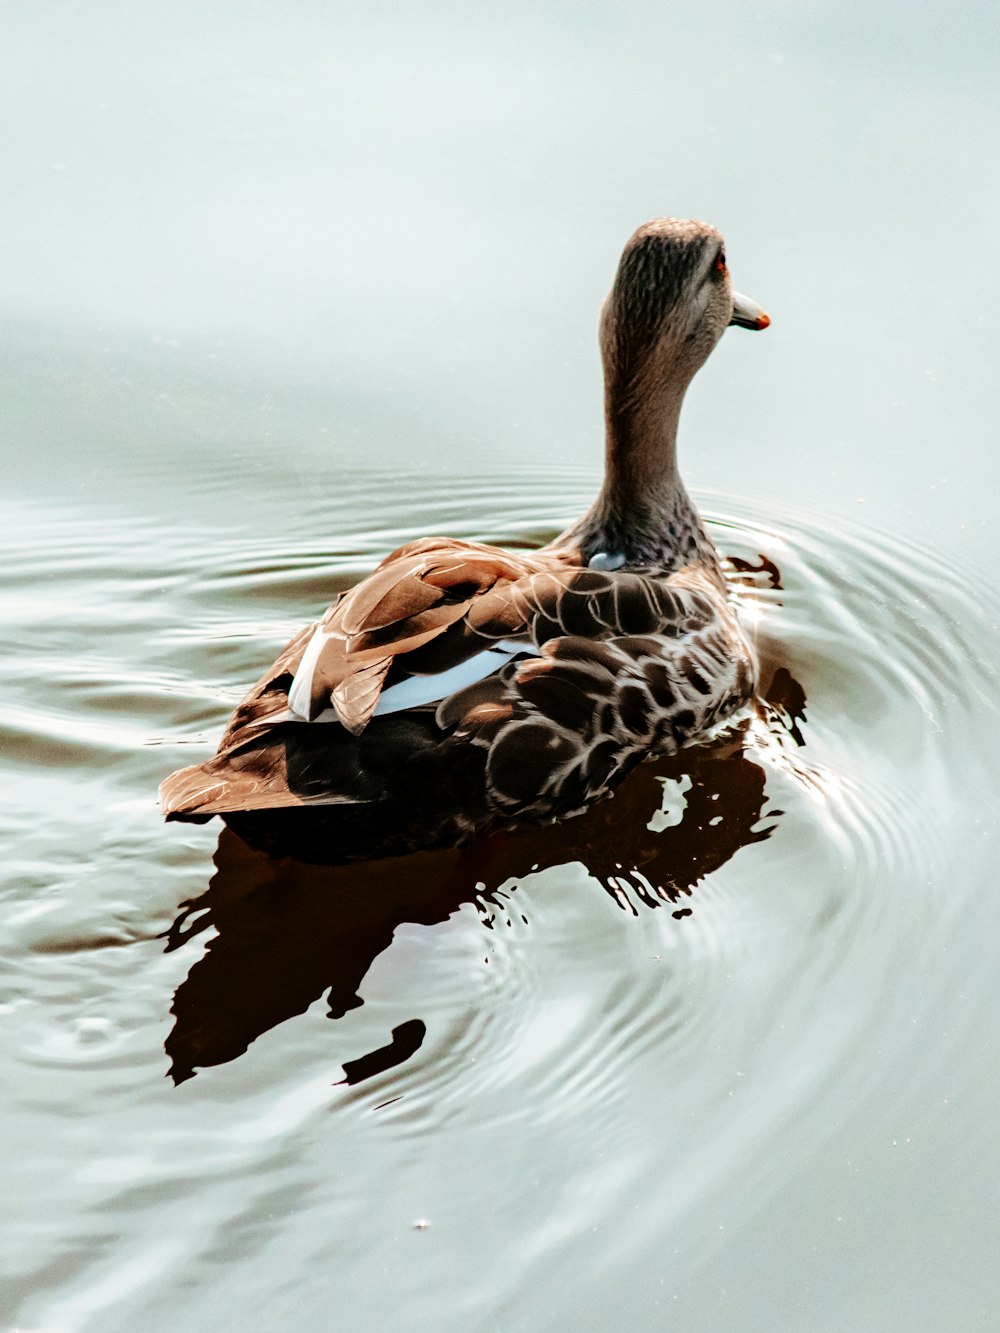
571 676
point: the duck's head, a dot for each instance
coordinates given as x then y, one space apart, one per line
671 302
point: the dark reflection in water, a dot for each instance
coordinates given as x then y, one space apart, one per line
407 1039
288 931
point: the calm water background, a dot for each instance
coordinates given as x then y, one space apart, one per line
283 286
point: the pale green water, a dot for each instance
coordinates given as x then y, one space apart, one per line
282 288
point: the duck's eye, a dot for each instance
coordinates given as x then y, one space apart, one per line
720 262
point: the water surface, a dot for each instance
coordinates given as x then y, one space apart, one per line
599 1079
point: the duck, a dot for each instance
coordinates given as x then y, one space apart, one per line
462 688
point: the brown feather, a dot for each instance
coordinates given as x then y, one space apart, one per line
457 708
405 635
356 696
388 597
498 613
479 566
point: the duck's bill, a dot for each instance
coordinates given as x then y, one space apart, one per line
747 314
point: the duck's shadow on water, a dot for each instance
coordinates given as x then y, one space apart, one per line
287 931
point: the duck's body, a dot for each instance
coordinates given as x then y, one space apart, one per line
461 687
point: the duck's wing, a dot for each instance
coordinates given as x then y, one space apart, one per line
396 617
335 670
439 615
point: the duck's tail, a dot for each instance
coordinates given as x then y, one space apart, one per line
257 779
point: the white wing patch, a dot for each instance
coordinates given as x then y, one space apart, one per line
301 690
417 690
409 693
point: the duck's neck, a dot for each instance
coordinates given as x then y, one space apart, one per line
640 451
643 512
